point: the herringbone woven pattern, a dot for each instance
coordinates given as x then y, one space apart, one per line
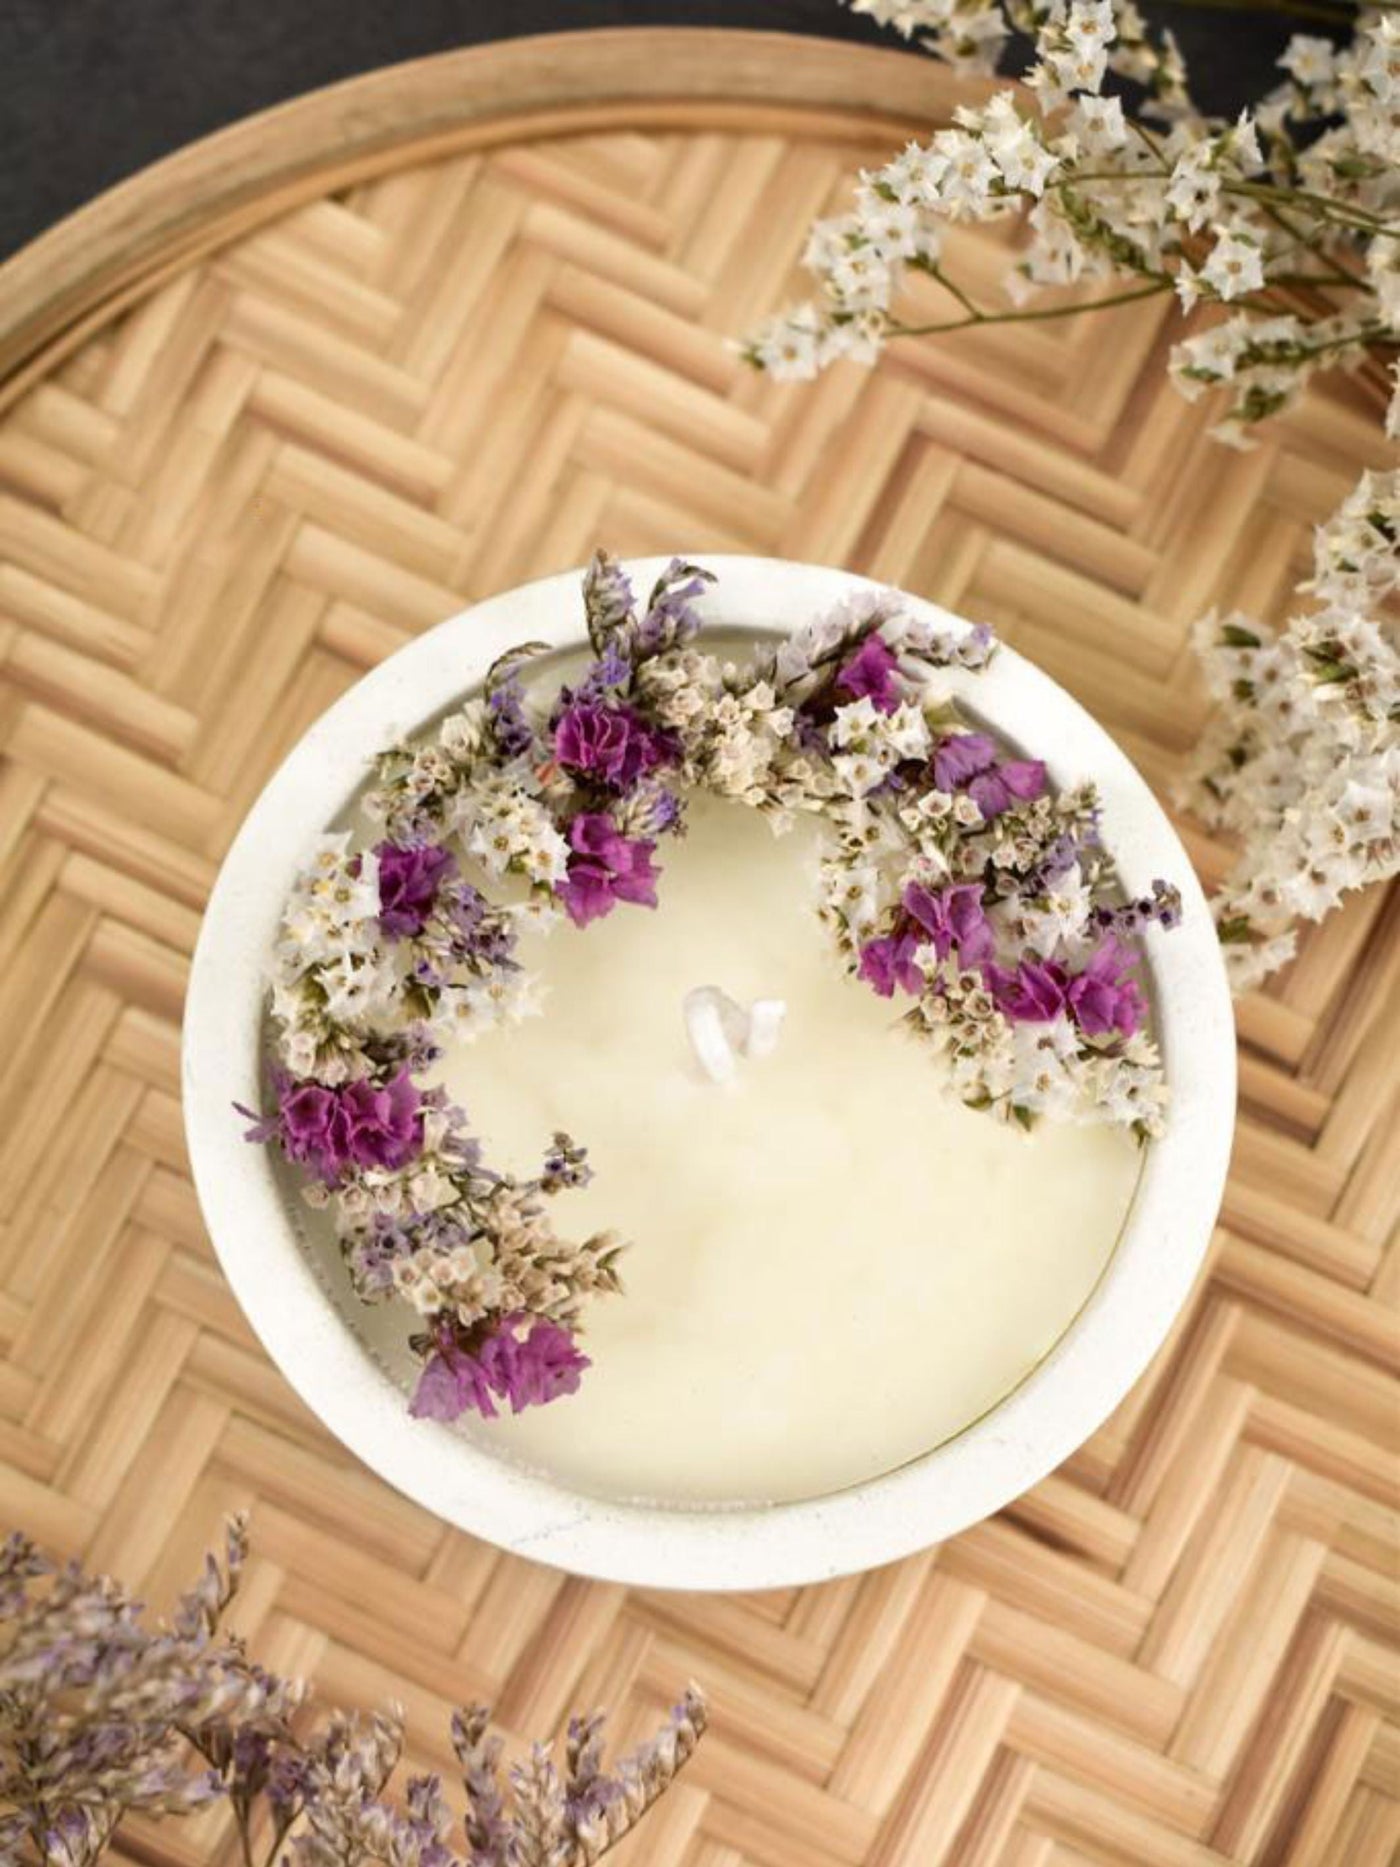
348 425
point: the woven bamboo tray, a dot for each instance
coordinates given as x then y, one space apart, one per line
307 388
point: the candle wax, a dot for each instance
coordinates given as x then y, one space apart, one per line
834 1265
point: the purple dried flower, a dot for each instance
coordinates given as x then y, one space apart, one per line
608 600
409 878
960 757
610 744
1031 992
873 673
671 618
605 868
611 671
527 1371
889 962
968 762
953 917
1105 997
1017 780
359 1124
1162 906
510 723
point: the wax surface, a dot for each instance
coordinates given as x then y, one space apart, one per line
834 1267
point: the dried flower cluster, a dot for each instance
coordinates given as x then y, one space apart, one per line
1302 758
1288 219
953 876
101 1715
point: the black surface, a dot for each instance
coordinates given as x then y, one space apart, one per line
92 90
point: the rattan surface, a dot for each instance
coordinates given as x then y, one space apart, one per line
304 446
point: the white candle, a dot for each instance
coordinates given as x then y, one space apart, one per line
835 1267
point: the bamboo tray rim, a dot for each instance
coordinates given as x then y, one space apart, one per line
107 254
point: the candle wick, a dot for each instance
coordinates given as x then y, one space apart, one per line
722 1031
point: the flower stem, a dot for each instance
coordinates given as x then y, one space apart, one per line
1028 317
937 272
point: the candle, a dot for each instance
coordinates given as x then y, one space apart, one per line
835 1267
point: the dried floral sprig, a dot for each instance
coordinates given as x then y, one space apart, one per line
102 1715
952 875
1288 219
1302 760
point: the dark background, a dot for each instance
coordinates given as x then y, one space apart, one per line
91 90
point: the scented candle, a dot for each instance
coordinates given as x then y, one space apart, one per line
835 1267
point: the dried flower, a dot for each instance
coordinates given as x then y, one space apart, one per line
1299 191
605 868
101 1715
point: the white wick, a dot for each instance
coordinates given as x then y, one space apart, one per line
721 1031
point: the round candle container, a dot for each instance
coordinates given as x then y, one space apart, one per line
788 1476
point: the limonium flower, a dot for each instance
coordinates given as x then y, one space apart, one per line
889 962
605 868
610 744
1288 218
104 1713
952 918
873 673
357 1124
525 1362
409 875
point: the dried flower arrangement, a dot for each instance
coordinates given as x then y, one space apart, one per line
952 875
1290 218
101 1715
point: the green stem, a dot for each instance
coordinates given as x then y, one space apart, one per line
1028 317
938 273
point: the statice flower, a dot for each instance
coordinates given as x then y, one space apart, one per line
1165 201
1302 760
103 1714
873 673
952 918
360 1124
409 878
1102 997
605 868
610 745
971 762
525 1362
892 961
511 727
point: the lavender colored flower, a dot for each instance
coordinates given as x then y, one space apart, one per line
359 1124
873 673
510 723
1105 997
526 1370
612 670
409 878
1162 906
968 762
608 600
671 618
605 868
1016 780
889 962
1031 992
952 918
103 1714
611 744
959 757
